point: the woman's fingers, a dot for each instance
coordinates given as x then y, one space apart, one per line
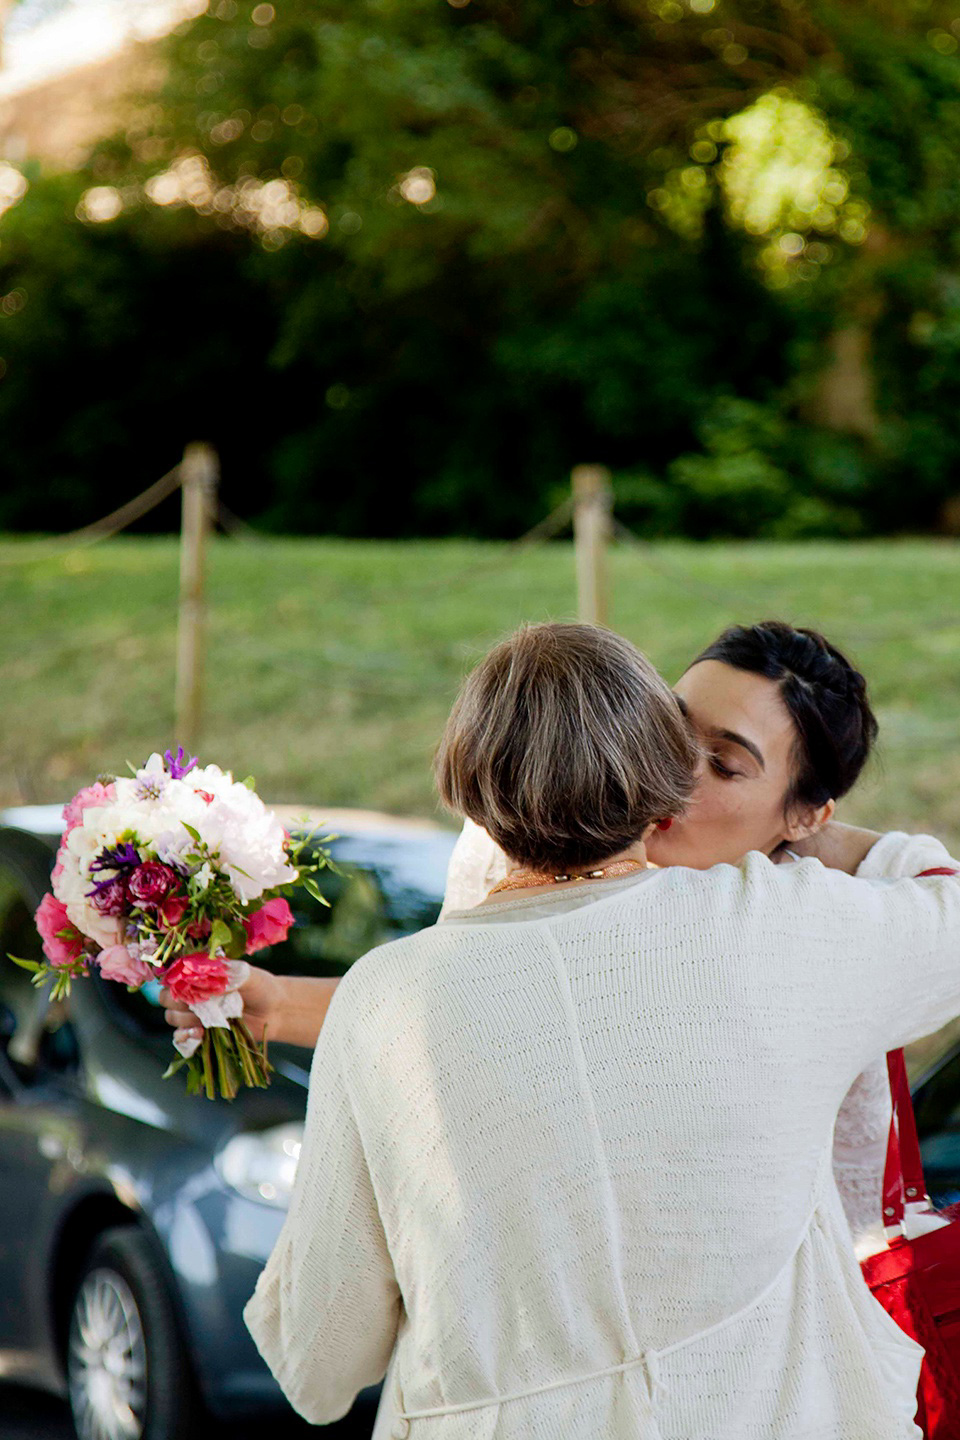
180 1019
183 1020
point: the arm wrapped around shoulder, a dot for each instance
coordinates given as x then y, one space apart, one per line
897 855
889 944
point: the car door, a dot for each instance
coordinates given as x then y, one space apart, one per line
937 1105
37 1136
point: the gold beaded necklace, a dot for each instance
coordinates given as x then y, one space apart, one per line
529 879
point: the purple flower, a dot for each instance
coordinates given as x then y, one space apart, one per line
177 766
109 896
150 786
117 857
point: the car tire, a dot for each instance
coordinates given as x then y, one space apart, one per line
128 1374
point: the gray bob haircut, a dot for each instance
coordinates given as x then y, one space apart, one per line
564 744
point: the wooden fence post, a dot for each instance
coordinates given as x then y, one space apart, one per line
199 472
592 510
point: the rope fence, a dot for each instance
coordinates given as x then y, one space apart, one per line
105 529
588 511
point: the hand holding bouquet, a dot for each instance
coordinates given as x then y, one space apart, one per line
174 875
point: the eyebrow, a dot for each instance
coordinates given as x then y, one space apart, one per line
733 736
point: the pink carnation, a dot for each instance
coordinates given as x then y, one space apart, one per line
197 977
118 963
95 794
51 918
268 925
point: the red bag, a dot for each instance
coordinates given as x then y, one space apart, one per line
918 1281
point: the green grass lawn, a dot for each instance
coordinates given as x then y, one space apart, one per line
332 664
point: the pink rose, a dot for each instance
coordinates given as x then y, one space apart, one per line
197 977
151 882
96 794
118 963
268 925
172 911
51 920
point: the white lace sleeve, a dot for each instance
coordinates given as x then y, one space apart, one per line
863 1123
859 1154
476 865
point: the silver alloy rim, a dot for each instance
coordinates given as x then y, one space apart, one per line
107 1360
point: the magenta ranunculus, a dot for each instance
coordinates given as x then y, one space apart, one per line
268 925
151 882
62 941
117 963
96 794
197 977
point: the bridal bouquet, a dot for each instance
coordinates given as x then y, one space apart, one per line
173 875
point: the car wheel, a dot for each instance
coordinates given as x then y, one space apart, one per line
127 1371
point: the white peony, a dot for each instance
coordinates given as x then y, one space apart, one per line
104 929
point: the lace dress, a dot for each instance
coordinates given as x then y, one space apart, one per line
863 1121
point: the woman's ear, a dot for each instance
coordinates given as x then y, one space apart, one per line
808 821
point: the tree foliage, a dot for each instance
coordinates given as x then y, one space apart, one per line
407 261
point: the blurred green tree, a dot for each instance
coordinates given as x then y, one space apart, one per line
406 261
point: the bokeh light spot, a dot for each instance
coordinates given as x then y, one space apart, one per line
13 186
100 204
563 139
418 186
313 222
226 131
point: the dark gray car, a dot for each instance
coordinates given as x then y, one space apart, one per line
134 1220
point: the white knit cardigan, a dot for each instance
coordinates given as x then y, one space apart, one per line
570 1177
863 1122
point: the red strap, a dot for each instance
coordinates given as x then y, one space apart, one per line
903 1180
903 1175
892 1180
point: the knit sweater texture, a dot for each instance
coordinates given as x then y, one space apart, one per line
863 1122
570 1176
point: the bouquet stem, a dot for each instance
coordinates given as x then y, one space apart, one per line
227 1058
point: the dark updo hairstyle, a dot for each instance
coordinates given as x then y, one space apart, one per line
826 698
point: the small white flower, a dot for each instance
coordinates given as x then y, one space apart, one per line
152 780
204 876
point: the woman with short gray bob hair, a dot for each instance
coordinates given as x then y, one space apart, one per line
567 1165
565 745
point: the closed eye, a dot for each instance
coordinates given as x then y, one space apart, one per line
722 770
